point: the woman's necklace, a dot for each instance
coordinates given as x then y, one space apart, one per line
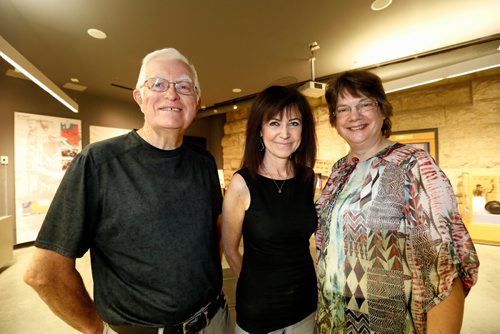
280 188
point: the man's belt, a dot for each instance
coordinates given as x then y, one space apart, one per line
192 325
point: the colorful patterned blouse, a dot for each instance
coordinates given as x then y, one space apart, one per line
390 242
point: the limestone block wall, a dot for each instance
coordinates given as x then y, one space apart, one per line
467 116
465 110
233 141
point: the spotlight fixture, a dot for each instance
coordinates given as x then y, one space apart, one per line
235 106
380 4
314 46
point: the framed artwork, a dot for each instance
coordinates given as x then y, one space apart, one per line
44 147
426 139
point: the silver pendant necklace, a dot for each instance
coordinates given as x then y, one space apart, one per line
280 188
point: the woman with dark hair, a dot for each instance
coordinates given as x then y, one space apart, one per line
393 253
270 202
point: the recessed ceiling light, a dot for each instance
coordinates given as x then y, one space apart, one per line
96 33
75 80
236 90
380 4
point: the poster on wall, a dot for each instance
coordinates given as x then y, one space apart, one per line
98 133
44 147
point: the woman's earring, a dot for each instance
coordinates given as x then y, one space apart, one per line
261 142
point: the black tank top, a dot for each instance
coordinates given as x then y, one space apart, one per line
277 283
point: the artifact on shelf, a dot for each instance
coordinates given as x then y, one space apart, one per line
493 207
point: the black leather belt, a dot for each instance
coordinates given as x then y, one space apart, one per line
192 325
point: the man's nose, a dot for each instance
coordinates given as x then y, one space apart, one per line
171 92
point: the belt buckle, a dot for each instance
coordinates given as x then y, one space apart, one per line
186 326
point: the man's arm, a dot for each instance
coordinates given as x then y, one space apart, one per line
61 287
446 317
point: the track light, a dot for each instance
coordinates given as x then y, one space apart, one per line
13 57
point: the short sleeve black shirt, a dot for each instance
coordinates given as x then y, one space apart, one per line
149 218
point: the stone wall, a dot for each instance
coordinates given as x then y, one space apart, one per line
465 110
233 142
466 113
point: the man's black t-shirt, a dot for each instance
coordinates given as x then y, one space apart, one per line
149 218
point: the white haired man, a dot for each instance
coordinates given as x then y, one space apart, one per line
146 205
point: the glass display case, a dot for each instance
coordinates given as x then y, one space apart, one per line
480 208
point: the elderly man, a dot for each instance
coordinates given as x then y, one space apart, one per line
146 205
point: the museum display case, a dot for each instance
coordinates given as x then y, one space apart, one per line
480 207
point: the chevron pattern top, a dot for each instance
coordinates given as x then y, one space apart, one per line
390 242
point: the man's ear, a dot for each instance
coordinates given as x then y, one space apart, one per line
137 96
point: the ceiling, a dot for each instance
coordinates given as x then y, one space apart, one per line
243 44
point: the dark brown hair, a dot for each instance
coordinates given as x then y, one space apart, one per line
357 82
272 101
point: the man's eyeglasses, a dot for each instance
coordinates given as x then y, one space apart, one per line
364 106
162 85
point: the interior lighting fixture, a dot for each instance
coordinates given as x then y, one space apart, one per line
13 57
74 86
236 90
235 106
446 72
14 73
380 4
96 33
421 83
473 70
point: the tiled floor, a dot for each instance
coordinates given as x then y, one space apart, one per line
22 312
